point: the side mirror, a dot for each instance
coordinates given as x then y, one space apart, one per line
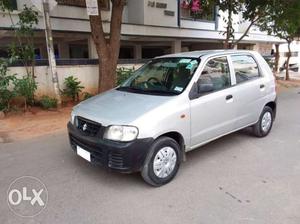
201 87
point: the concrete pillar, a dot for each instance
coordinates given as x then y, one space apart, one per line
256 47
92 48
63 50
138 52
43 51
176 46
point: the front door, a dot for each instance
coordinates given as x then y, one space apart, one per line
213 113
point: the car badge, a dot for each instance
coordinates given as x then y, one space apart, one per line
84 127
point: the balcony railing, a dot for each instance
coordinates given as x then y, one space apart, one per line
197 10
104 4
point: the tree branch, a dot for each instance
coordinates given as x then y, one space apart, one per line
246 31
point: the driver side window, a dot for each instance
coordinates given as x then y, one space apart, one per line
215 75
153 72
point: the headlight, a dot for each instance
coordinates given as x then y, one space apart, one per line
121 133
72 119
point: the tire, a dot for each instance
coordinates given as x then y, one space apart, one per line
162 152
264 125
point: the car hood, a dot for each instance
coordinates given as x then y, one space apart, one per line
119 107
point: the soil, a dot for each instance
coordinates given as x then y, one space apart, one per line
19 126
284 84
37 122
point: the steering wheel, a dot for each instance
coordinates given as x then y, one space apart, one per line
156 81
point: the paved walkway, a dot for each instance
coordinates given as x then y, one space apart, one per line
236 179
293 75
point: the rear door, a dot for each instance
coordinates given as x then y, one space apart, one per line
249 87
213 113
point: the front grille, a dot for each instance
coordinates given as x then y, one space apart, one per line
88 127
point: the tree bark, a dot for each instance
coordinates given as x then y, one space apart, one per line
228 30
287 66
108 48
276 58
227 44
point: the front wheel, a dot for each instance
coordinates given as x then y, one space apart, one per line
264 125
162 162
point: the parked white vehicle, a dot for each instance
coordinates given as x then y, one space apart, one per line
172 105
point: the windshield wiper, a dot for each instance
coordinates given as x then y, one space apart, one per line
147 91
129 89
161 92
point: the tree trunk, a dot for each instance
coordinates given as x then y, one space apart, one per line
287 66
108 48
107 74
276 58
227 44
25 104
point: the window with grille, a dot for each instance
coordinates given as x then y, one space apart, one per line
14 5
197 10
104 4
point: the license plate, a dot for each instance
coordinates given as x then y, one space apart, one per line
83 153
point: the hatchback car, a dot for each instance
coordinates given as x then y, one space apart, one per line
172 105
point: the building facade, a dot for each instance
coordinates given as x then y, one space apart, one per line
150 28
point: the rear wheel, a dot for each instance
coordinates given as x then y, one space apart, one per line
264 125
162 162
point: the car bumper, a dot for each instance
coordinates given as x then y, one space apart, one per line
125 157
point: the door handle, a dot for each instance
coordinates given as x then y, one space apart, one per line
229 97
262 86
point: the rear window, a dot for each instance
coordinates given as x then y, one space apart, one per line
245 68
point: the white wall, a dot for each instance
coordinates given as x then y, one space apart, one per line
197 24
135 11
20 3
87 74
70 12
222 25
283 49
138 11
263 48
156 16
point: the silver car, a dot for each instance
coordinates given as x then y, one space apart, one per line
172 105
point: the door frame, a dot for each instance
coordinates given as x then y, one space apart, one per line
231 72
198 75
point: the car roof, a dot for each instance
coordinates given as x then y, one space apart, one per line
198 54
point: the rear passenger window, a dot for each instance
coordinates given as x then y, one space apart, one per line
216 74
245 68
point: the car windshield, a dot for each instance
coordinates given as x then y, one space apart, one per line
163 76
